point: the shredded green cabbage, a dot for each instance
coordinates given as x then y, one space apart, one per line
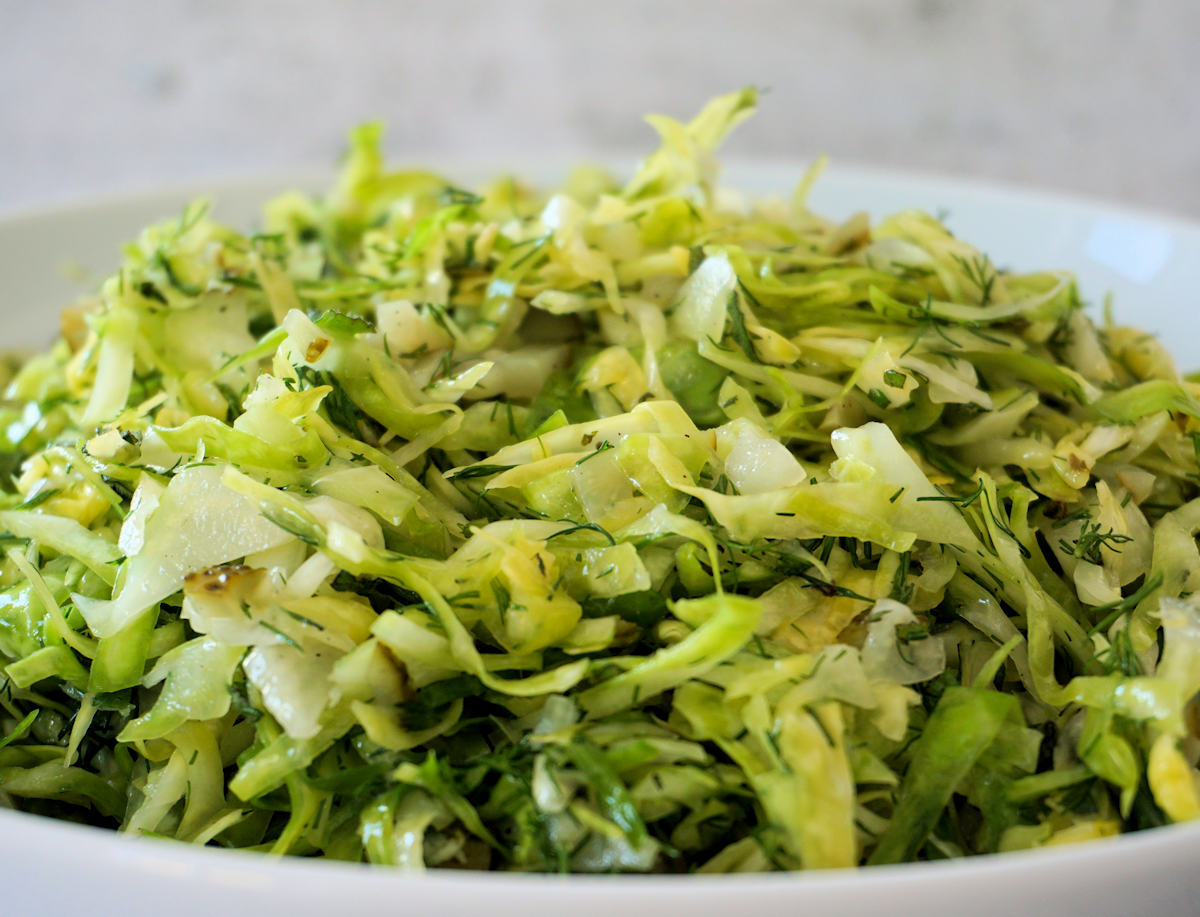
625 528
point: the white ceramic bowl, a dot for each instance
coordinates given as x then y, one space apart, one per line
1150 263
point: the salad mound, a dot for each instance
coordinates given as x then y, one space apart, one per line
631 527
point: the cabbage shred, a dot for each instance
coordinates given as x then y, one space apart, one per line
626 528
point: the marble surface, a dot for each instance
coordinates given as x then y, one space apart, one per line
1096 98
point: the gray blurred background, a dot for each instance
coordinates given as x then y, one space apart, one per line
1097 98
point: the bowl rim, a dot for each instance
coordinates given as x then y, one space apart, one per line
97 843
531 167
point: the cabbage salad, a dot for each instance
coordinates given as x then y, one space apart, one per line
627 528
